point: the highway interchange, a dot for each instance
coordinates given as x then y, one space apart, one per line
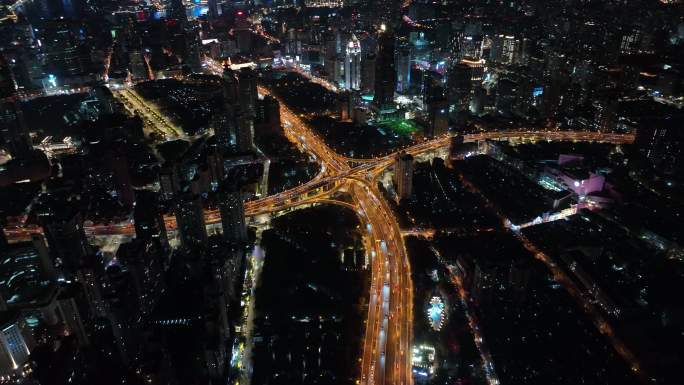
386 348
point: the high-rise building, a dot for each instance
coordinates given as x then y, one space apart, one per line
14 351
177 11
345 105
403 66
224 124
463 77
268 115
505 49
216 166
63 56
8 87
118 163
368 72
214 9
63 229
247 86
459 89
13 130
243 32
385 73
231 95
438 117
661 142
232 211
71 316
352 65
403 175
244 131
190 219
148 218
169 180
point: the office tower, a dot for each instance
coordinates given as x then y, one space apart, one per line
505 49
14 350
459 89
177 11
63 55
244 131
215 165
190 219
148 218
47 267
232 211
8 87
484 280
118 163
352 65
403 175
214 9
469 46
169 180
345 105
63 229
13 130
661 143
144 264
27 275
385 73
268 115
243 32
90 278
556 78
231 95
223 124
403 60
368 72
506 92
438 117
70 314
247 86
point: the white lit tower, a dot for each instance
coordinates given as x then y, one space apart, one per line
352 65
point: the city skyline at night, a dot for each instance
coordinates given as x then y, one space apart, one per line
341 192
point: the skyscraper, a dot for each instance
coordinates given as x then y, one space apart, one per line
247 85
118 163
148 219
224 124
169 180
8 87
352 65
63 227
385 73
13 131
244 131
232 211
190 219
177 11
438 117
403 175
268 115
230 87
368 72
14 351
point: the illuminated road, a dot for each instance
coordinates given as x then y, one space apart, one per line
386 348
152 117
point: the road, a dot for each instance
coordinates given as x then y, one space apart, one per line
386 347
152 117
